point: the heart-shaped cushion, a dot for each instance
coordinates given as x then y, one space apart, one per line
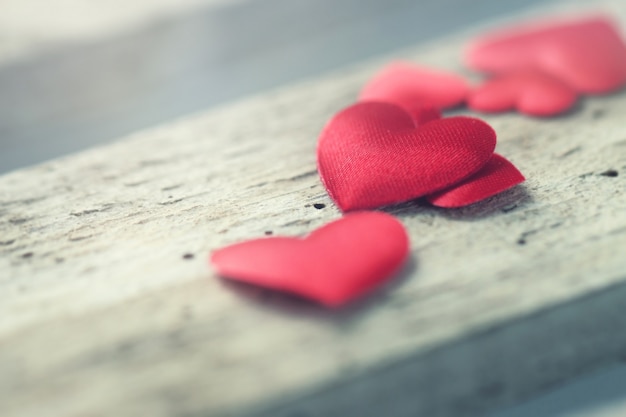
498 175
336 263
413 87
533 93
587 54
372 154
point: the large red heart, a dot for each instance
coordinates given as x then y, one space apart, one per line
498 175
425 114
412 87
587 54
372 154
333 265
532 93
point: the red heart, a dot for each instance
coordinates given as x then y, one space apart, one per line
532 93
586 54
498 175
333 265
425 114
372 154
412 87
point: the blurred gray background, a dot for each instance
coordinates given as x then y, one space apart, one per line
76 86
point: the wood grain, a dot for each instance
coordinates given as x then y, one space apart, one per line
108 306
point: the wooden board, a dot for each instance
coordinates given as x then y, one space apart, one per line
108 306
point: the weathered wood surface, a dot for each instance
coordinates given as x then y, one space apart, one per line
101 312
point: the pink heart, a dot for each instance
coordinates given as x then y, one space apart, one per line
532 93
336 263
498 175
412 87
372 154
587 54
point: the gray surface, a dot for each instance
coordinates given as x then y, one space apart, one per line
503 299
75 97
602 394
51 105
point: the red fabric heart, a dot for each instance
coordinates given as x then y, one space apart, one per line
498 175
532 93
333 265
586 54
411 87
372 154
425 114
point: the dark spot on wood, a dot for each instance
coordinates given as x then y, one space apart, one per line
27 255
188 256
166 203
610 173
319 206
303 175
91 211
261 184
7 242
523 237
171 187
19 220
82 213
59 260
508 209
598 113
135 184
268 233
570 152
79 238
585 175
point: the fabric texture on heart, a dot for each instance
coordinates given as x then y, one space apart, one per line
425 114
587 54
372 154
335 264
412 87
532 93
498 175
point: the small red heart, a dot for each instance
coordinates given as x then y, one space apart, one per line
587 54
532 93
333 265
411 87
498 175
372 154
